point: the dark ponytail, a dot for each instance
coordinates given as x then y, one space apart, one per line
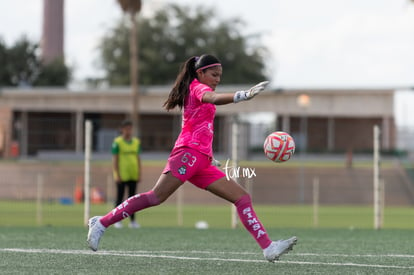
181 86
187 73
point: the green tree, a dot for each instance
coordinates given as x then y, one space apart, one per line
4 73
55 73
21 65
174 34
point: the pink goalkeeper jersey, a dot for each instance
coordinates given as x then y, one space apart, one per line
197 120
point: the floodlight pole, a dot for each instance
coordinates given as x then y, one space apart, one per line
132 7
134 74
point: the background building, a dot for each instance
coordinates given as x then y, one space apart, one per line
334 120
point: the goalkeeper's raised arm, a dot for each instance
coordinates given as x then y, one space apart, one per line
226 98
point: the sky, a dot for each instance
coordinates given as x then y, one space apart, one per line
319 43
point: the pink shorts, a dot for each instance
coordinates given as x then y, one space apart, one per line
186 163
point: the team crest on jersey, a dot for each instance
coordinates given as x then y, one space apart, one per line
182 170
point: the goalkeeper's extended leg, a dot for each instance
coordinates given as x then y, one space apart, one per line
233 192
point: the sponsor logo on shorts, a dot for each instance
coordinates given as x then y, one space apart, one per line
182 170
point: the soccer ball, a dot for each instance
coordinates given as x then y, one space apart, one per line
279 146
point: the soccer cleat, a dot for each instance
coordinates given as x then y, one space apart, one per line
278 248
134 224
96 230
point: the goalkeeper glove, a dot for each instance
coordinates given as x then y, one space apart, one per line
215 162
249 94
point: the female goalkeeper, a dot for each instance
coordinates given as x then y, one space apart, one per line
192 156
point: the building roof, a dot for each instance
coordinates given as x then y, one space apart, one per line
347 102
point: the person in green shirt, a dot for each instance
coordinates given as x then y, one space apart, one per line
126 163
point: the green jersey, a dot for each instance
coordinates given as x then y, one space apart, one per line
128 152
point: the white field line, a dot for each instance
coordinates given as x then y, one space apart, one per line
155 254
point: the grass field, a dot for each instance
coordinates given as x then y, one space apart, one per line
155 250
18 213
343 243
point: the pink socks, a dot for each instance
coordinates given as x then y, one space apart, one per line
130 206
251 222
